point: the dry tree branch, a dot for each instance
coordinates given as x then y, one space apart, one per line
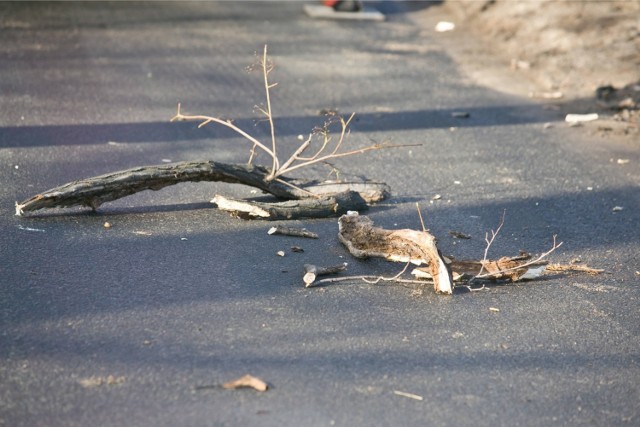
205 120
521 266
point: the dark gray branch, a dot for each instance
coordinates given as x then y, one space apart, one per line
323 207
93 192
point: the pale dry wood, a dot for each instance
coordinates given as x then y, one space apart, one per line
363 240
247 381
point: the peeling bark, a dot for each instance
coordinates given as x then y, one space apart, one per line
363 240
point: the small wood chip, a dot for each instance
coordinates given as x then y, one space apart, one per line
247 381
280 253
495 310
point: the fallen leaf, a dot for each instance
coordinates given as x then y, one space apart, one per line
247 381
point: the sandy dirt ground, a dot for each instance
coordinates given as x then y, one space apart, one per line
581 57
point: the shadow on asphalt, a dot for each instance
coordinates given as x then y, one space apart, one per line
85 134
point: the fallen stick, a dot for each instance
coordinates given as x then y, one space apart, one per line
363 240
514 268
291 231
323 207
311 272
95 191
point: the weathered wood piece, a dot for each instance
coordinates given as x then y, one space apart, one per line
311 272
363 240
292 231
93 192
512 268
323 207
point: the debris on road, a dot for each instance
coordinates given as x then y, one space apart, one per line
444 26
305 199
92 382
311 272
292 231
247 381
581 118
363 240
409 395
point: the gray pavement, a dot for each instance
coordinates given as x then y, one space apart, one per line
177 294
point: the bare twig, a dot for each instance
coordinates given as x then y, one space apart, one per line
521 266
267 66
205 120
420 216
489 241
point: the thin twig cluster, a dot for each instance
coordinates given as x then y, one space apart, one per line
329 147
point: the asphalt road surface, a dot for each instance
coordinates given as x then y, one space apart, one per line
119 326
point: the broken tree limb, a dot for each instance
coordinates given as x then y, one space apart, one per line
292 231
323 207
311 272
363 240
93 192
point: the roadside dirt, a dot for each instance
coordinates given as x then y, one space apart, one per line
578 57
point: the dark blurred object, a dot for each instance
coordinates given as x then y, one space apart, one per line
344 6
